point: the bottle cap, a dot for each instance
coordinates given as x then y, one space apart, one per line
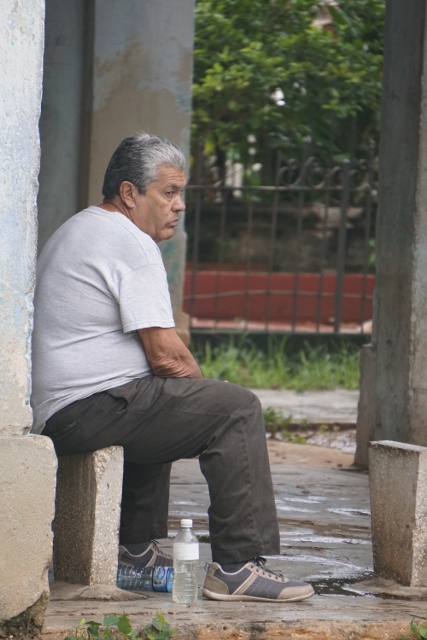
186 523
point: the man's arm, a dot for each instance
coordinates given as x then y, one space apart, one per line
167 354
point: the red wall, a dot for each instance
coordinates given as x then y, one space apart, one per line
256 305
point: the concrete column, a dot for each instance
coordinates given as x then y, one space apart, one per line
65 116
400 309
87 517
367 409
398 487
142 81
27 463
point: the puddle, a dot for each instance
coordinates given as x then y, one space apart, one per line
342 586
281 507
309 499
341 568
351 512
193 512
323 540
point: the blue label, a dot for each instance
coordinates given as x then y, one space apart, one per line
162 579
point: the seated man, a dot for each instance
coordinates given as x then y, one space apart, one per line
109 369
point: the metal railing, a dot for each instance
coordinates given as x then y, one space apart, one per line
294 256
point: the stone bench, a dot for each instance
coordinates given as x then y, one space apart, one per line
398 487
87 517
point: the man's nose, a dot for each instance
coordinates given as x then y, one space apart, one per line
179 204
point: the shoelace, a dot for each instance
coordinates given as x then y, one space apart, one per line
158 550
260 562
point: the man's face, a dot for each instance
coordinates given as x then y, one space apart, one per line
157 211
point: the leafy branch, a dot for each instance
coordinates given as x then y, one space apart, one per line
419 630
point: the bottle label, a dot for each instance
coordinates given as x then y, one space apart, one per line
186 551
162 578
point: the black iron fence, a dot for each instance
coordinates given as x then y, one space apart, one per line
295 256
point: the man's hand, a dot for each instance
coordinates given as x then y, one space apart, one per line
168 355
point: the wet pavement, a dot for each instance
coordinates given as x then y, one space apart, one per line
323 418
324 515
337 406
323 512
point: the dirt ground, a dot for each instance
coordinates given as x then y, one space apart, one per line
299 454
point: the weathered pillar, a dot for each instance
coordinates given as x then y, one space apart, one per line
367 408
398 487
110 72
65 116
27 463
399 340
142 81
87 517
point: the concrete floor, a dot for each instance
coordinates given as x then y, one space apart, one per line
323 508
338 406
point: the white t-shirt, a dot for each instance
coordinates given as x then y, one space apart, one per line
99 279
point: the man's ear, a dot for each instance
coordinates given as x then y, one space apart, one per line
128 193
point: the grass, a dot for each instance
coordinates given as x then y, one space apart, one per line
276 423
312 367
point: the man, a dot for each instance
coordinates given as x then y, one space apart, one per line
110 369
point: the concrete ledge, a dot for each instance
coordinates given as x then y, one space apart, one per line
27 498
398 489
323 617
64 591
304 630
87 517
386 588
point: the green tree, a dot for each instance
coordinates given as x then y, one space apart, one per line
330 76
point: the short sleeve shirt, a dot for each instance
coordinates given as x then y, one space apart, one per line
99 280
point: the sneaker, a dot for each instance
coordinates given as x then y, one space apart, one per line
152 557
253 582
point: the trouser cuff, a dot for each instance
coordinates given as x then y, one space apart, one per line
223 556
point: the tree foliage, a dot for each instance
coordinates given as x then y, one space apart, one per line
330 76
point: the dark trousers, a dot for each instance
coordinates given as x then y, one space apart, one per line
160 420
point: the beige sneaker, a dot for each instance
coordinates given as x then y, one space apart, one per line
253 582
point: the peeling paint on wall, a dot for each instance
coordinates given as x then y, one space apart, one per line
142 81
21 54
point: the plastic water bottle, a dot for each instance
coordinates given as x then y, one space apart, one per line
144 579
185 562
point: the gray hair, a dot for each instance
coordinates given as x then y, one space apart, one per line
137 159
